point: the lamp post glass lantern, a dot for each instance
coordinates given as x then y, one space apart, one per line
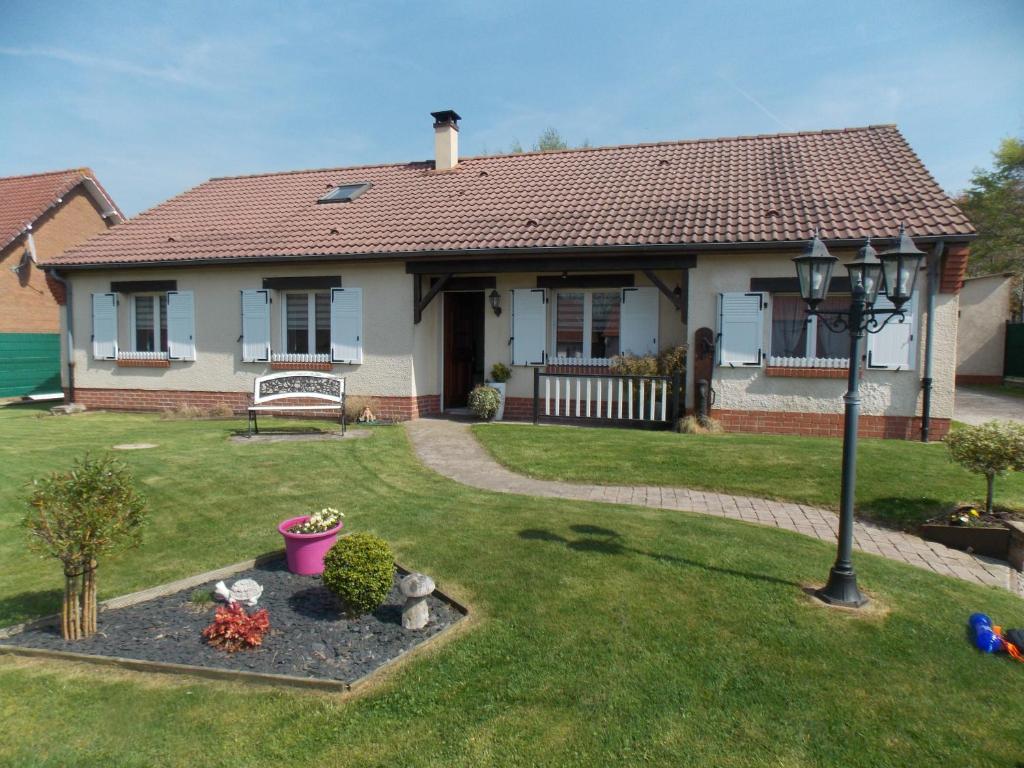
495 298
814 269
900 265
897 267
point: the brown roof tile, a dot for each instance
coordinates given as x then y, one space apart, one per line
23 199
774 188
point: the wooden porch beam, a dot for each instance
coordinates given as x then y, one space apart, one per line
421 302
669 294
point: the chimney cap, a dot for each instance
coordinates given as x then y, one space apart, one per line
446 117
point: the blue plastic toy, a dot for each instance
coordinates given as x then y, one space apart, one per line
985 636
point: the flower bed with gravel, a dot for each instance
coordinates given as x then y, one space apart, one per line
309 637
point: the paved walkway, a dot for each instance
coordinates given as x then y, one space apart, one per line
449 448
976 406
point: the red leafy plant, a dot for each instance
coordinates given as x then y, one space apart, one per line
233 629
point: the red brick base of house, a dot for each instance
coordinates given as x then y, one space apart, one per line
385 408
826 424
977 378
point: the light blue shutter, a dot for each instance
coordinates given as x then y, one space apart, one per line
104 326
893 347
255 325
347 325
529 326
740 328
639 320
181 325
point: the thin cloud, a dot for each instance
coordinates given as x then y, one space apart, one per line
165 74
756 103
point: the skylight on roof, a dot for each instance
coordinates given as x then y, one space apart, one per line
345 193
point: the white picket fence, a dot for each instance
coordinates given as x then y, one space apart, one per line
123 355
292 357
618 398
809 362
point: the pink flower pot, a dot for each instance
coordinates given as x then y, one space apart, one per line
305 551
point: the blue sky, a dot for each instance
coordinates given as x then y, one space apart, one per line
158 96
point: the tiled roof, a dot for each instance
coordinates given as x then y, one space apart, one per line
775 188
23 199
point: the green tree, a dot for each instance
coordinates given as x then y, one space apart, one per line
75 517
550 140
995 204
991 449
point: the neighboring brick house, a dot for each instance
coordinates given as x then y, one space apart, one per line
413 279
41 216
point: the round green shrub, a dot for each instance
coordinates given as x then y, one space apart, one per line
484 402
360 570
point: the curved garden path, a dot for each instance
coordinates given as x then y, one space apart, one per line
449 448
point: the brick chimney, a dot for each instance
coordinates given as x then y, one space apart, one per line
446 139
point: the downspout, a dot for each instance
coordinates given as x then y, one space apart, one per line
70 339
934 262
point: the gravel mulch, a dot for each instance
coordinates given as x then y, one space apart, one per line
308 635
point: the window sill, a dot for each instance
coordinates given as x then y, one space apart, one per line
135 362
805 373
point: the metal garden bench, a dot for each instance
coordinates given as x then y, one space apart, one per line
278 388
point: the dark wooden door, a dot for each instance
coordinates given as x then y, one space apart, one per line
463 346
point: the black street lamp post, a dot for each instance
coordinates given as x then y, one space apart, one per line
896 271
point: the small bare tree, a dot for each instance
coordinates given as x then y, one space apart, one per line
75 517
991 449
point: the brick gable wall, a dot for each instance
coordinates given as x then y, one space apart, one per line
28 303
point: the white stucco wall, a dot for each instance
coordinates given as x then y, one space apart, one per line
984 310
388 335
402 358
893 393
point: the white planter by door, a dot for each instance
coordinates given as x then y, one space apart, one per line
500 386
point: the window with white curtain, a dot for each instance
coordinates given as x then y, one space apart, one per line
307 322
795 334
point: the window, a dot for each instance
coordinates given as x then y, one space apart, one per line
587 323
345 193
794 334
149 323
307 322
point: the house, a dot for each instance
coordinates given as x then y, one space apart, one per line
413 279
985 309
41 216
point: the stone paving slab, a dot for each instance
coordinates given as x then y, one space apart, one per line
449 448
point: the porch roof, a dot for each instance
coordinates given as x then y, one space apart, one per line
729 192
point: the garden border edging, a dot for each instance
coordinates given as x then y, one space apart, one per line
214 673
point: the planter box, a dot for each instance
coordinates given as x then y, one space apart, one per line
500 386
305 551
1016 553
992 542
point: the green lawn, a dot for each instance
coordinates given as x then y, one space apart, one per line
899 482
602 635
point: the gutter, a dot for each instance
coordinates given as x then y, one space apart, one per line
70 322
934 263
470 254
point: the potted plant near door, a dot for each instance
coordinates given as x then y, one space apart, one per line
500 373
307 539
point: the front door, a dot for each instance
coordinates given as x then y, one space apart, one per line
463 346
